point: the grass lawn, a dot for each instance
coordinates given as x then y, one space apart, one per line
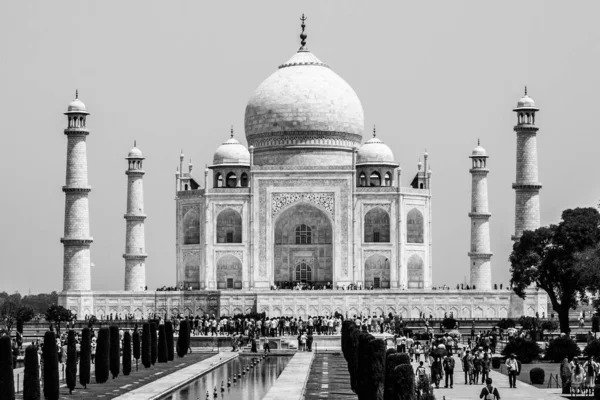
549 368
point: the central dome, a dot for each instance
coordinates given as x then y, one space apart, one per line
304 104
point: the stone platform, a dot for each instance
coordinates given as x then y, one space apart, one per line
469 304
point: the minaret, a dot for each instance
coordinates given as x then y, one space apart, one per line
135 248
527 188
76 239
480 254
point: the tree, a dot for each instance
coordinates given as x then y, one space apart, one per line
115 351
170 343
8 311
560 348
153 343
102 355
561 259
7 383
592 349
126 353
526 350
536 326
136 346
24 314
85 358
50 355
506 323
31 380
58 314
71 361
183 339
146 338
163 355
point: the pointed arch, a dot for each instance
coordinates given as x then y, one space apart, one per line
191 228
229 226
415 229
375 179
231 180
244 180
218 180
387 181
377 272
229 272
415 272
377 226
362 180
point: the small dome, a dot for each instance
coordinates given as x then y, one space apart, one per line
479 151
526 102
374 151
231 152
135 153
77 106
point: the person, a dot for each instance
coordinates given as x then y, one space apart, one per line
485 367
477 368
513 369
421 374
449 371
467 364
590 368
489 392
565 375
577 378
437 371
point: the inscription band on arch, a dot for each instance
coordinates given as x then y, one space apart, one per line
281 200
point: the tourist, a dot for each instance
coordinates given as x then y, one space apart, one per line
489 392
303 339
437 371
513 370
421 374
576 378
591 371
565 376
467 364
486 363
477 368
449 371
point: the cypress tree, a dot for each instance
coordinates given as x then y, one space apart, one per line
162 345
51 387
153 343
7 380
146 359
170 343
115 351
376 376
85 358
182 340
102 355
127 353
31 380
71 361
136 346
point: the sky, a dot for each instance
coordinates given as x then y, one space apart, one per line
433 75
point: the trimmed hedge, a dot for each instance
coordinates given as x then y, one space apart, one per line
136 346
85 360
496 362
146 337
404 359
153 343
162 345
404 383
389 351
7 380
391 362
364 365
536 376
102 355
170 342
115 351
71 361
126 353
31 380
51 387
376 377
183 341
526 350
560 348
592 349
352 348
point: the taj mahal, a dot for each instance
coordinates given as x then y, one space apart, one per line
311 201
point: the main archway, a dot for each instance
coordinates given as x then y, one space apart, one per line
303 250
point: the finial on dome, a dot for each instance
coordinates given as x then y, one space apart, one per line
303 35
420 164
134 143
478 143
76 93
231 130
525 90
181 155
374 131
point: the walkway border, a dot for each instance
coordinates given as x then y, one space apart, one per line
291 384
160 387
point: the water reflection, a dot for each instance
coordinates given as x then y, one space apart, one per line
235 380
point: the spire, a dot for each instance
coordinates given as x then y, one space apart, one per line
181 156
134 143
525 90
303 35
231 131
478 143
76 93
374 131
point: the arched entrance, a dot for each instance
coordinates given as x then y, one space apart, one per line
303 250
377 272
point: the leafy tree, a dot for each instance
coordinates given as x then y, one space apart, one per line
126 353
7 383
50 355
526 350
595 323
40 302
592 349
560 259
536 326
183 343
8 311
560 348
115 351
58 314
102 355
71 361
449 323
506 323
31 380
85 358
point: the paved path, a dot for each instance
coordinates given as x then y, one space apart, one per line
292 382
329 378
176 380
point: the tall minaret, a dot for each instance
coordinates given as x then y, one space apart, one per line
135 248
480 254
77 239
527 187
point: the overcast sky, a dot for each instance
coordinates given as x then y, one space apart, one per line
431 75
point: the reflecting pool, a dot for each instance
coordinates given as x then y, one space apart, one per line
252 385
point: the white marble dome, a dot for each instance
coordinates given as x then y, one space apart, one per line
526 102
231 152
479 151
135 153
304 96
77 106
374 151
